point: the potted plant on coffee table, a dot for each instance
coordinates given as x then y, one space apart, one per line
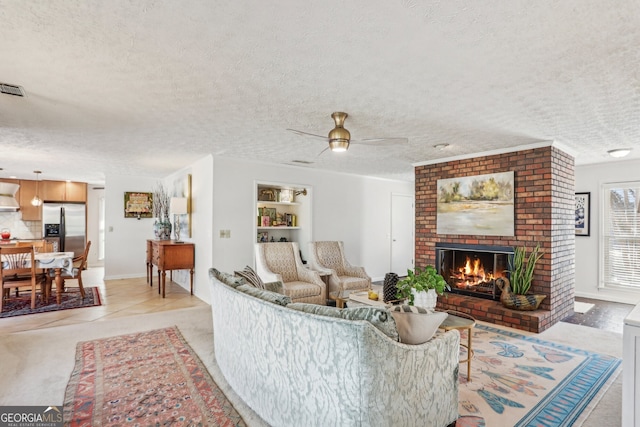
422 287
515 290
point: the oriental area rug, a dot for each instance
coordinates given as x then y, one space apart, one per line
519 380
148 378
71 298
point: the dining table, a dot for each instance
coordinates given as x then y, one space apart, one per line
55 262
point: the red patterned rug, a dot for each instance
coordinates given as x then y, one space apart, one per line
71 298
149 378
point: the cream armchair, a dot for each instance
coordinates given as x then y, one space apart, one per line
328 258
281 262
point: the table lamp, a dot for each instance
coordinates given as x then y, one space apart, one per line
178 206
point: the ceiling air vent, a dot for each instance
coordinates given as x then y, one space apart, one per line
303 162
11 89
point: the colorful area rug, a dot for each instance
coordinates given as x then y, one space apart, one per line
149 378
71 298
519 380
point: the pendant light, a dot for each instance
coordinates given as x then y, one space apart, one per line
36 201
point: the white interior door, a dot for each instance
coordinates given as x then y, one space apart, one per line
402 233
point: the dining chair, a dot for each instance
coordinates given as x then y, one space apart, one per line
79 264
38 246
17 269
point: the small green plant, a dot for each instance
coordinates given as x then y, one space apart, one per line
521 268
420 280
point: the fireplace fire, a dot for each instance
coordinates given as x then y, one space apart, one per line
472 269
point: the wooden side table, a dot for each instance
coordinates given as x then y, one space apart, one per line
169 255
461 321
339 298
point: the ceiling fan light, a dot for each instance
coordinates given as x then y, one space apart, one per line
339 145
338 133
339 137
619 152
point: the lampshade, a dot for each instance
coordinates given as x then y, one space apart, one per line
178 205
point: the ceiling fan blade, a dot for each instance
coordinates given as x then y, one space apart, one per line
322 151
299 132
381 142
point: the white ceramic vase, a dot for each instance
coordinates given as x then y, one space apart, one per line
426 299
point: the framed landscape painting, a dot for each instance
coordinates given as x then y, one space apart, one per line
583 214
479 205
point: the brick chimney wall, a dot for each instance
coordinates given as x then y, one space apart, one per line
544 213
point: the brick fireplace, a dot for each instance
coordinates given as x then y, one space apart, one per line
544 213
473 269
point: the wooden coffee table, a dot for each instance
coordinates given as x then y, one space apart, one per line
359 298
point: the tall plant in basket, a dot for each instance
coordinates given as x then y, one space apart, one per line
515 290
162 224
521 268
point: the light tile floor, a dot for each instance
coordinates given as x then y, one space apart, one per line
124 297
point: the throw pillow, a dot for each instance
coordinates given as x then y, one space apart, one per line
268 296
251 277
416 325
378 317
226 278
274 287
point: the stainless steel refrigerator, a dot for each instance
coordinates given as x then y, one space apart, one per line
65 225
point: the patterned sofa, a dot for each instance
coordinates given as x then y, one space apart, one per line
297 368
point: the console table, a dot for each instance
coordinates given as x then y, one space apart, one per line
169 255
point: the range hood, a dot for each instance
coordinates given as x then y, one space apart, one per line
8 202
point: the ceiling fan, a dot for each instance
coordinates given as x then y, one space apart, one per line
339 137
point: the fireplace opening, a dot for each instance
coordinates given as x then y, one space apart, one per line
472 269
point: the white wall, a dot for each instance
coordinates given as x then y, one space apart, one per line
590 179
201 222
345 207
125 238
94 194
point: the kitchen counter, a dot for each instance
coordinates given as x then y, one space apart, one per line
12 242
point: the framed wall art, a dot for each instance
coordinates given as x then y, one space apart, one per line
583 214
138 205
479 205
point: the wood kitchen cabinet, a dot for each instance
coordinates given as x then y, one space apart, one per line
76 192
53 191
27 193
50 191
62 191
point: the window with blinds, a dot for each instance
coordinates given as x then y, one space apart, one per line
621 235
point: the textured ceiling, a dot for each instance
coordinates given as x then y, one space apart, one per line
147 87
